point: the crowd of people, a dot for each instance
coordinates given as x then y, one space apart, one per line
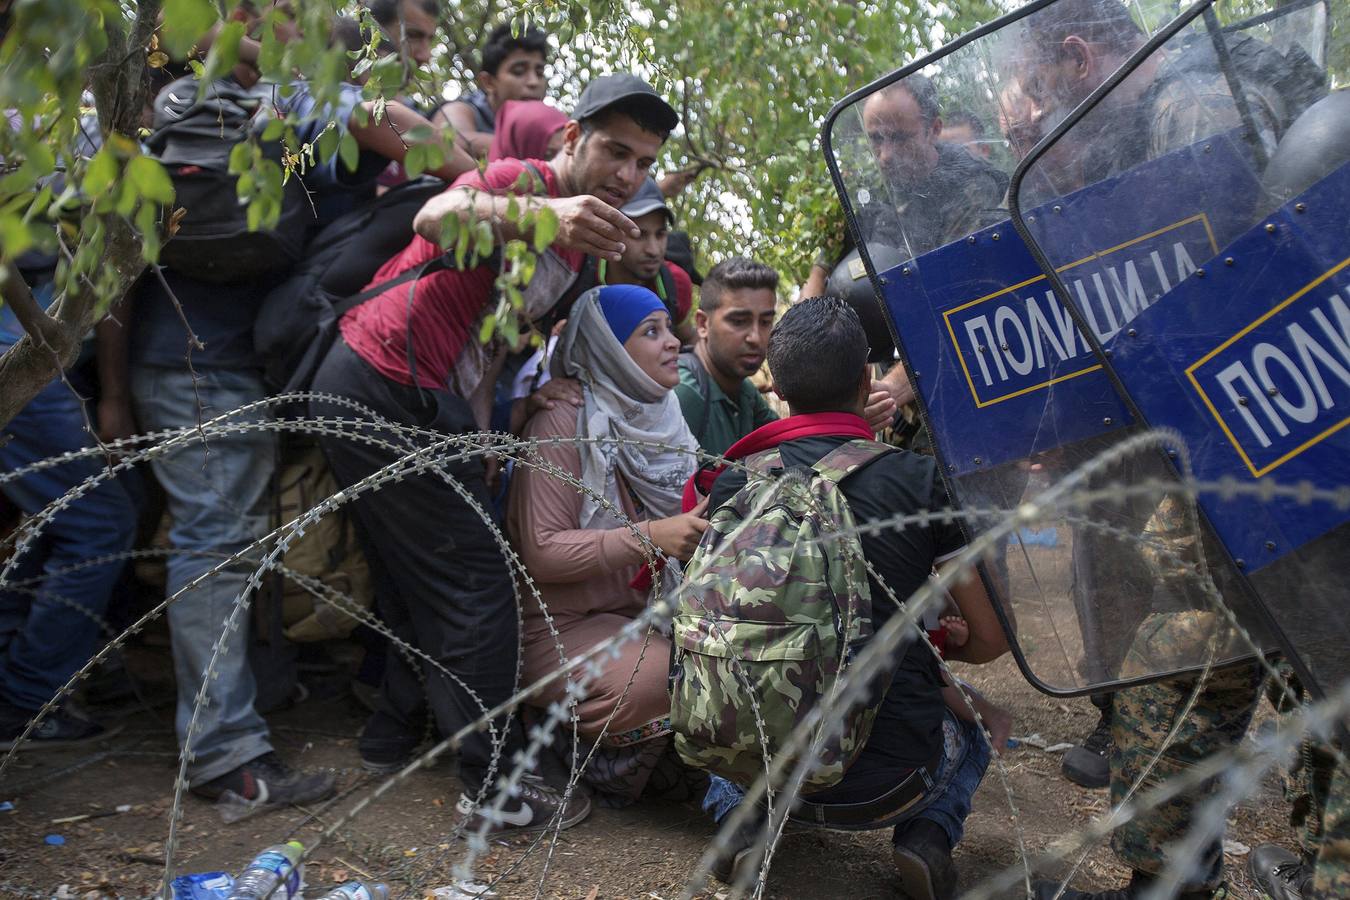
635 382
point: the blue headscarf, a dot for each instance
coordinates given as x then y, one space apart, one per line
626 305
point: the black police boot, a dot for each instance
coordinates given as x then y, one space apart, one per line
1089 765
1279 874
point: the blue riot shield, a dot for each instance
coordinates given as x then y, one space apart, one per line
1247 355
1010 332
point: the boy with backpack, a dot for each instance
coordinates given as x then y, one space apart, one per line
903 760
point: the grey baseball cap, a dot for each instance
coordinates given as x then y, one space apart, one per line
607 90
648 199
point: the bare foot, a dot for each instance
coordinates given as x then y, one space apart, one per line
958 630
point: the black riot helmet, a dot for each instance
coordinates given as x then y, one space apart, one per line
849 282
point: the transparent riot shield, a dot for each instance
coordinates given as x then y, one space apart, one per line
1211 186
1118 560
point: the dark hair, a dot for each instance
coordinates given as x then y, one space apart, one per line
1095 21
385 12
346 33
735 274
501 44
961 117
921 88
642 110
817 355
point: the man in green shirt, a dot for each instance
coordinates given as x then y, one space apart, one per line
733 321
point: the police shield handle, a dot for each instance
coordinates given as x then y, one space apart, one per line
677 536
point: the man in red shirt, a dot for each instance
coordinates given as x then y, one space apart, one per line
410 355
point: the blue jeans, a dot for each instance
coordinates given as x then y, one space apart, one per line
217 498
965 756
47 635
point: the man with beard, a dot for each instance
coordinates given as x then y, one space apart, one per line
933 191
411 354
735 316
644 262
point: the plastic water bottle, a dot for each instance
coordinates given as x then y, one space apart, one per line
276 871
357 890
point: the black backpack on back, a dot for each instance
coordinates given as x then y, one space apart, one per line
298 319
193 140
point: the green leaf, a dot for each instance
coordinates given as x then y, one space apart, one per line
100 174
274 130
127 197
328 144
461 247
485 330
482 240
185 21
241 157
40 159
150 179
147 223
415 163
545 228
449 230
349 151
419 134
14 235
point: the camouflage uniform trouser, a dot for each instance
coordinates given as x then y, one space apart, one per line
1319 806
1142 718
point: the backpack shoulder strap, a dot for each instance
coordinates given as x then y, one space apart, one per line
704 383
665 289
538 183
846 459
435 264
764 461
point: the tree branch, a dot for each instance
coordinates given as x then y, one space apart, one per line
43 329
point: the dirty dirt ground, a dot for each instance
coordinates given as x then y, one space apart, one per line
646 851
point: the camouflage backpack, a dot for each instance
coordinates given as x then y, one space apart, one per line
772 612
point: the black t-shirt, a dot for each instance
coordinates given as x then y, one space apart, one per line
908 728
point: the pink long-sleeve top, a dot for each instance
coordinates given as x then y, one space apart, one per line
578 571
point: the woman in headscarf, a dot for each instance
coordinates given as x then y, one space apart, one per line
583 557
527 129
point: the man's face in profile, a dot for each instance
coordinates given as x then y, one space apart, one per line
903 143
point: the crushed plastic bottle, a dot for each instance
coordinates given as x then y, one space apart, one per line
357 890
202 886
275 873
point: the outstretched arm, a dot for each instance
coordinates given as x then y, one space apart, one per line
385 137
987 641
585 223
459 116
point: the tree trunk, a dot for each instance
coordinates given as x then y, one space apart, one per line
118 83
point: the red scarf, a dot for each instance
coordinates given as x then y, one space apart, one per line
766 437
